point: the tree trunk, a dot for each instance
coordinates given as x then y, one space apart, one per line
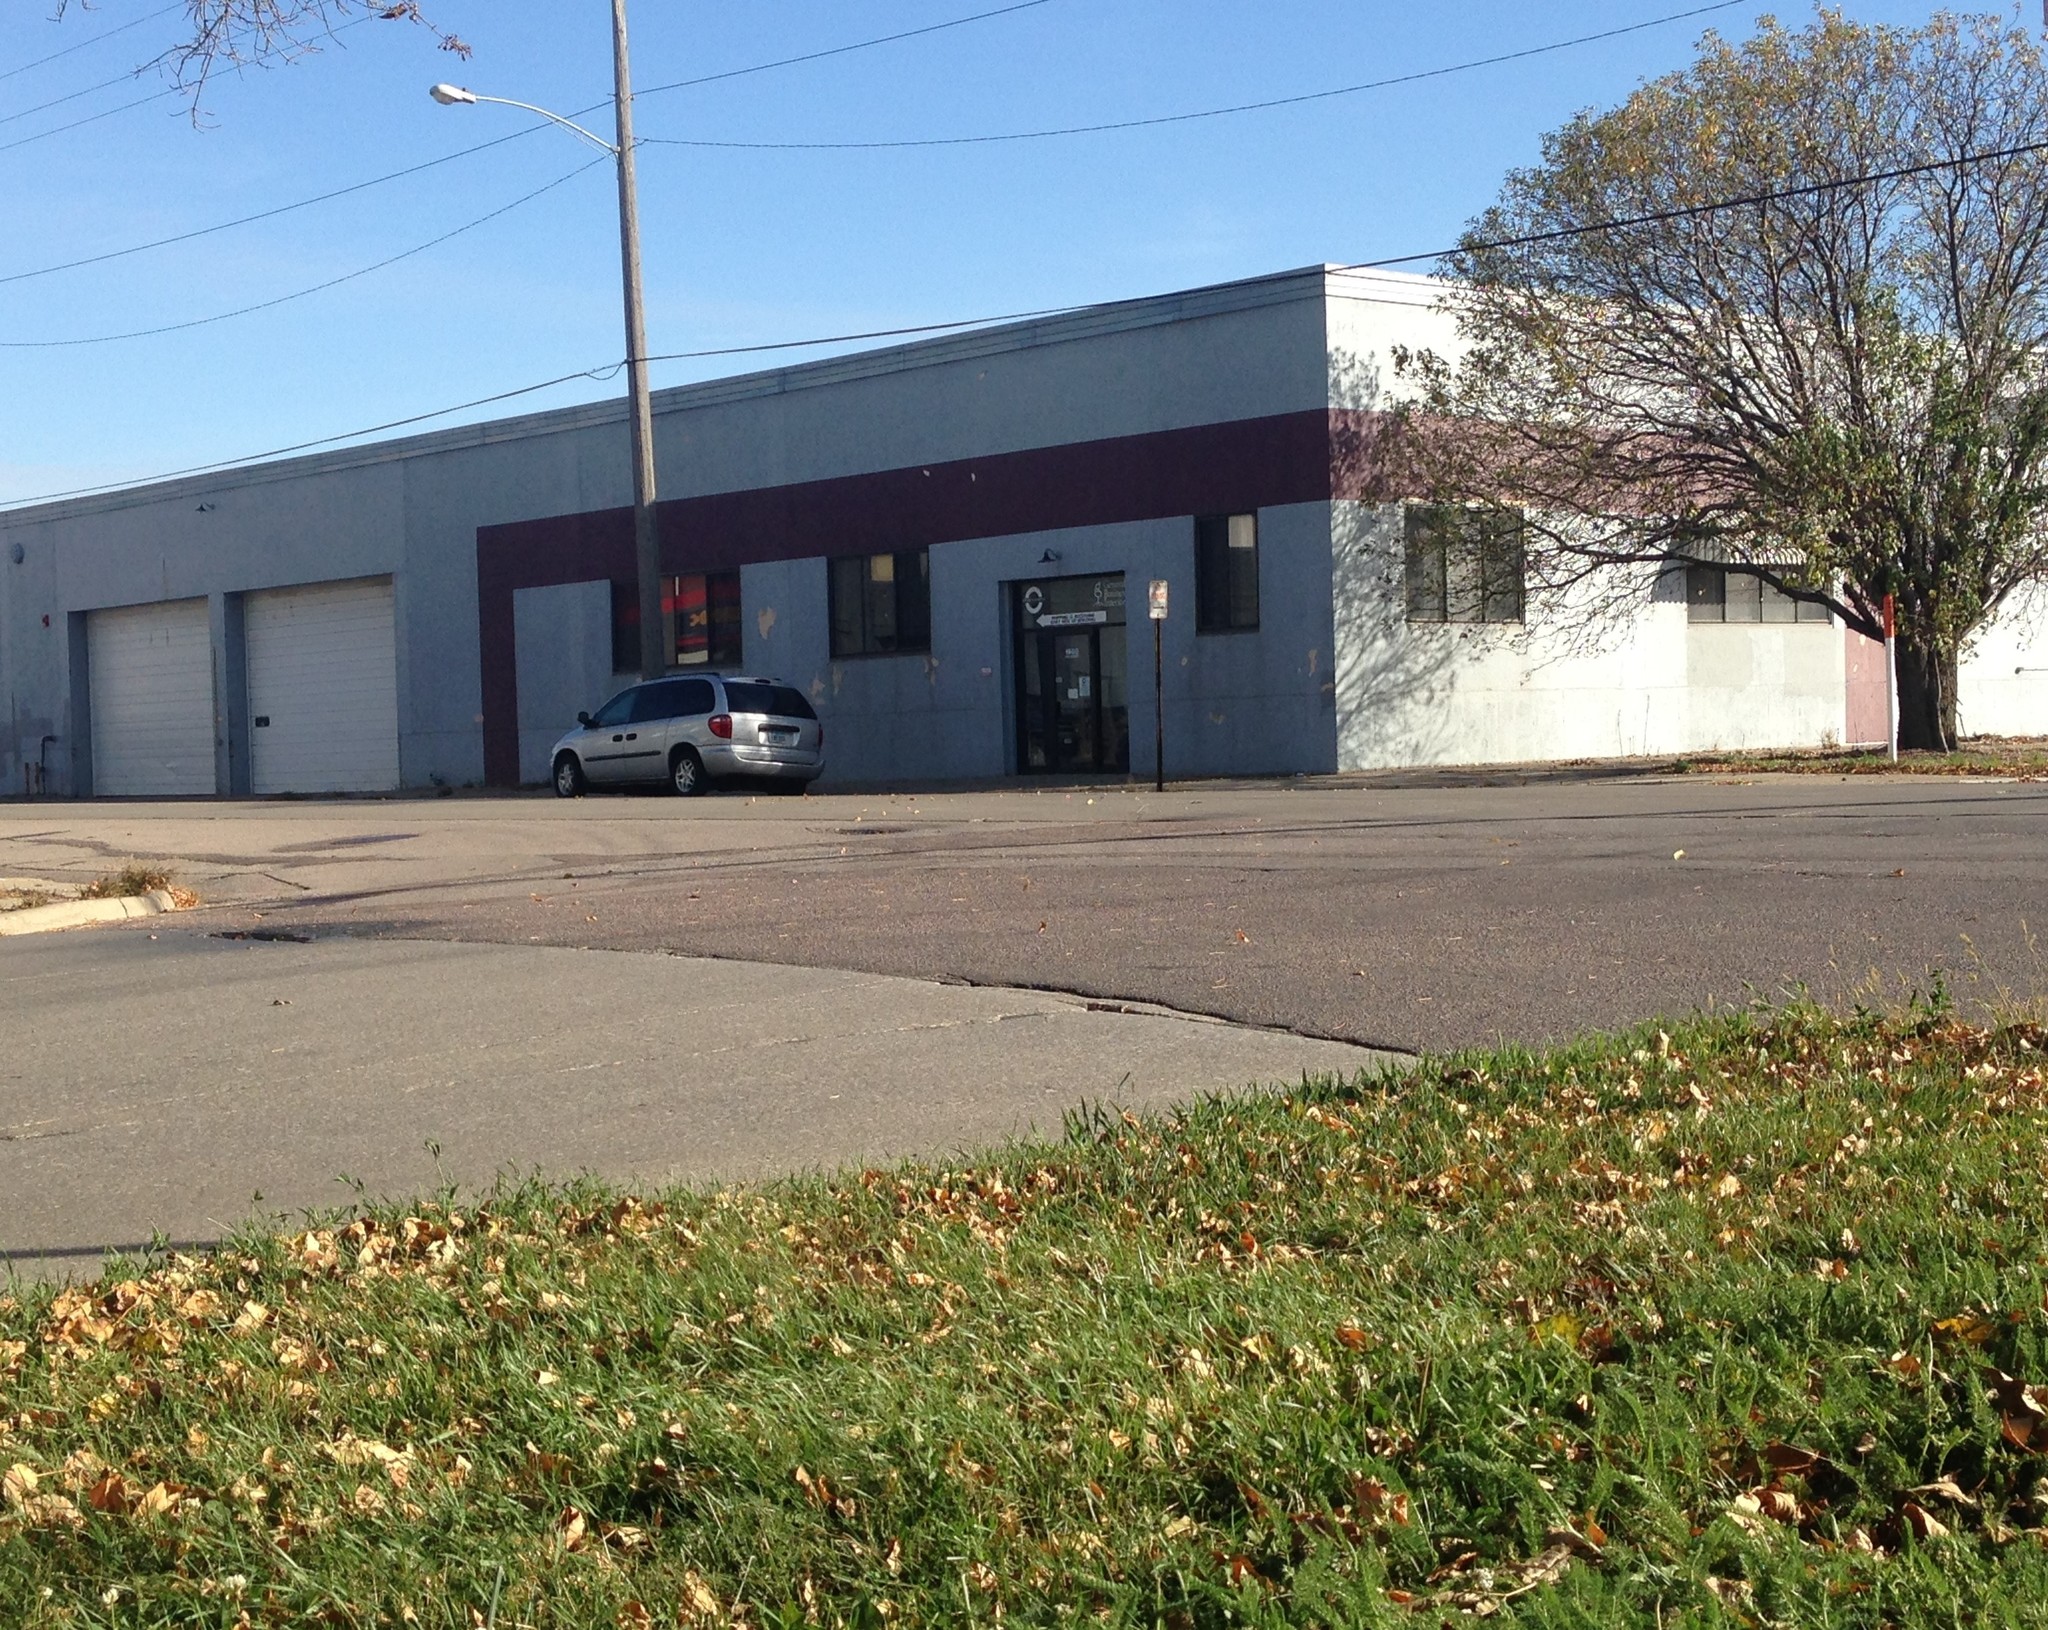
1927 696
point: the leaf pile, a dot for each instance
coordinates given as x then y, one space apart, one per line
1739 1323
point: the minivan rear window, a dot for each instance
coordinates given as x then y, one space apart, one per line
785 701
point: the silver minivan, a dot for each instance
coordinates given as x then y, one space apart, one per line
691 731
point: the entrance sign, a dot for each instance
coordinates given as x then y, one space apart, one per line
1073 619
1158 599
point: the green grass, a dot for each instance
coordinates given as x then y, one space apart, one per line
1730 1327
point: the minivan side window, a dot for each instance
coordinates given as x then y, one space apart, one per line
614 712
671 699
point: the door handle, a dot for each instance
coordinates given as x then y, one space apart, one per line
618 738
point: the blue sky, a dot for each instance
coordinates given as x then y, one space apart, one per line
742 247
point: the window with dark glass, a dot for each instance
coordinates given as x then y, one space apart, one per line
700 612
1226 573
881 604
1713 594
700 622
1464 565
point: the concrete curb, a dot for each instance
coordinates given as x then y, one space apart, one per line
77 913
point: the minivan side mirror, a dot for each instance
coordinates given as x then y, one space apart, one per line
584 720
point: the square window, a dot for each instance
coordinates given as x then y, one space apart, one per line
1464 565
880 604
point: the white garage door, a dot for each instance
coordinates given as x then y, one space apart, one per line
323 688
152 700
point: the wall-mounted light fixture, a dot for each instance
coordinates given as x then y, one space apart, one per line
1049 558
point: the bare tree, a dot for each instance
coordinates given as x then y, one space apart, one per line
1786 313
234 34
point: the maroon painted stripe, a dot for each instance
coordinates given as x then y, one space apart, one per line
1207 469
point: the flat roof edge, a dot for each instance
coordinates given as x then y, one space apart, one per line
1058 327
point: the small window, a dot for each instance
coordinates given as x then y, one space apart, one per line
881 604
1714 594
1464 565
1226 573
615 712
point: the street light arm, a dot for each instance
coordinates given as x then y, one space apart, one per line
451 95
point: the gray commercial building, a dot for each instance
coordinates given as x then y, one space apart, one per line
947 544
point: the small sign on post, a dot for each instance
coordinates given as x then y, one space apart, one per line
1155 605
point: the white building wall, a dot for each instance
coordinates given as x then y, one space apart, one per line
2002 679
1566 683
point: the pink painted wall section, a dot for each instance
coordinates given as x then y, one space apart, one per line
1866 712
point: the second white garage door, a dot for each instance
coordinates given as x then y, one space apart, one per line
323 688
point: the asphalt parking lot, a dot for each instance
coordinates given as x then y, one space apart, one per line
1402 916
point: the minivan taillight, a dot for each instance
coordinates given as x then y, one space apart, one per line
721 726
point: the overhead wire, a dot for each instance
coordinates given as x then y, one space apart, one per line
95 39
164 94
598 374
317 288
1587 229
466 152
1263 106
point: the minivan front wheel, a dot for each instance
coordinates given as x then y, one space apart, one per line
686 773
568 777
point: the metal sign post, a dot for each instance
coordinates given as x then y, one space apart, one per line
1891 675
1156 605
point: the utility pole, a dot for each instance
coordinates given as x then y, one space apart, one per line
646 537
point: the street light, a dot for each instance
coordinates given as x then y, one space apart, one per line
646 542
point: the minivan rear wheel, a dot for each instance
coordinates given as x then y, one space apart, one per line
568 777
686 773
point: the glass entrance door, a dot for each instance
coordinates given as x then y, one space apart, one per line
1072 708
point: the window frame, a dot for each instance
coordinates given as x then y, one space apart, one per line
1428 549
910 604
1219 606
1707 607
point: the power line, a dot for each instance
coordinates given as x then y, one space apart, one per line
1745 201
94 39
1205 113
599 374
91 119
840 50
70 96
1686 211
317 288
106 84
267 214
464 152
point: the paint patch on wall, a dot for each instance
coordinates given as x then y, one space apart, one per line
766 621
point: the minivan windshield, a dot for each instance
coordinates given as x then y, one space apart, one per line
785 701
